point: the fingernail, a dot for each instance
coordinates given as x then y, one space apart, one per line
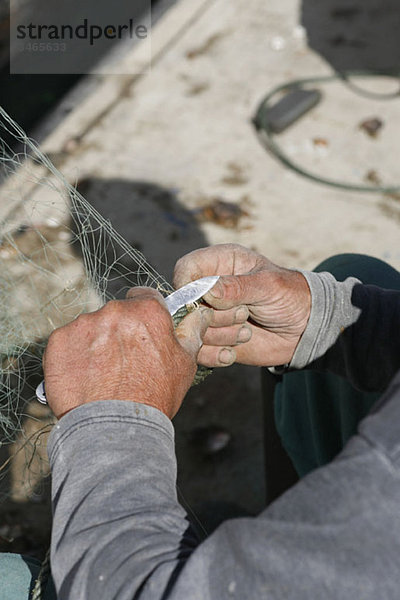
226 356
244 334
241 314
217 291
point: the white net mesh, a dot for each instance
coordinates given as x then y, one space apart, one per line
58 258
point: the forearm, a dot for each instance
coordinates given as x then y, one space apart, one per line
116 515
352 331
119 531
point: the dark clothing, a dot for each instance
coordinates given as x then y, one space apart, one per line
317 412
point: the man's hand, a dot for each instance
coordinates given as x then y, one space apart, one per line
261 310
127 350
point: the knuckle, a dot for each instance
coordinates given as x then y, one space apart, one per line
234 287
153 305
180 264
81 319
53 338
153 311
111 306
185 270
56 338
234 246
235 249
106 318
186 260
110 312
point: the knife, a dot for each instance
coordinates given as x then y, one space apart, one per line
188 294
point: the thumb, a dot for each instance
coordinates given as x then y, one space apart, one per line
234 290
191 330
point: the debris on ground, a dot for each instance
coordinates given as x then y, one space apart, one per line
210 440
393 195
321 142
371 126
206 47
278 43
235 176
197 88
372 176
221 212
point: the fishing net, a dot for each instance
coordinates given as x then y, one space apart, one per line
58 258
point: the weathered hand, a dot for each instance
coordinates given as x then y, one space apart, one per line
127 350
261 310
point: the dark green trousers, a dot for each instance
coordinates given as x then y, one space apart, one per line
316 413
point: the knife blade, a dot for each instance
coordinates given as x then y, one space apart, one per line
188 294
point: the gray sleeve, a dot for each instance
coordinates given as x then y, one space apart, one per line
353 331
119 532
116 514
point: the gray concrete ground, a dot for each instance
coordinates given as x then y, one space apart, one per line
156 150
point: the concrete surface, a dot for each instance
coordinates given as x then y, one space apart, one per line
186 125
153 150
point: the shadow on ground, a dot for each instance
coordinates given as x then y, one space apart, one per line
149 217
352 35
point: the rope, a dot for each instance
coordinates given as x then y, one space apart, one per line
42 579
268 139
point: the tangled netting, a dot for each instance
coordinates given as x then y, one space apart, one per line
58 258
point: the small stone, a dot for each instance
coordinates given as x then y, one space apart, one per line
278 43
210 440
371 126
299 32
